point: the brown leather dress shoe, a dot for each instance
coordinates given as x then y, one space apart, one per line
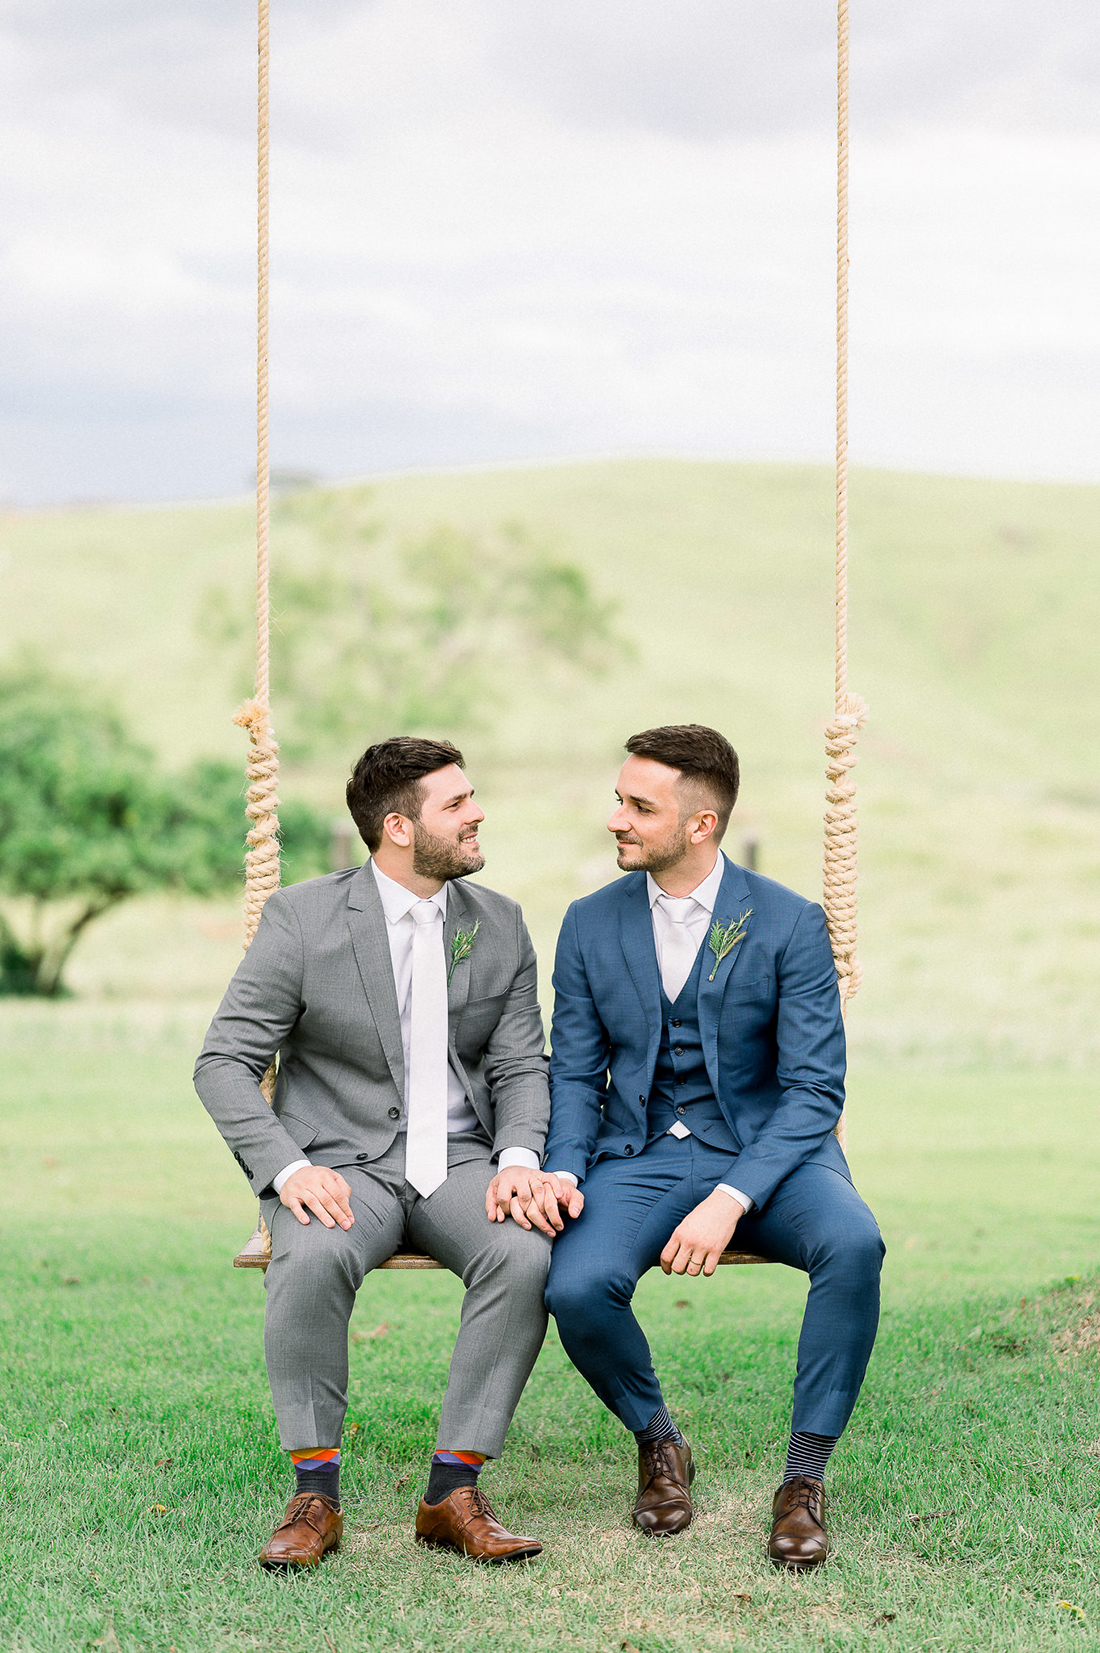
665 1472
798 1540
466 1521
310 1528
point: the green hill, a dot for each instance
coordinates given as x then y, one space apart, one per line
975 607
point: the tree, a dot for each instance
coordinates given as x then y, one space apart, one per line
373 640
87 821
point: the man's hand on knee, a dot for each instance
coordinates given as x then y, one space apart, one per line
322 1191
531 1198
697 1243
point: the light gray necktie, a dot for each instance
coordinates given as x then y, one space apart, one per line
678 947
426 1143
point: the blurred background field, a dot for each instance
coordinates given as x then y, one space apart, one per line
975 606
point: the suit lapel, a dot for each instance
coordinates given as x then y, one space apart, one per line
640 952
459 917
733 899
369 938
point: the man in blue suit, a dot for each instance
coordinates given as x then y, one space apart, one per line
696 1077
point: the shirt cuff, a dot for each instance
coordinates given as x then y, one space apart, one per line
736 1194
525 1157
567 1176
288 1171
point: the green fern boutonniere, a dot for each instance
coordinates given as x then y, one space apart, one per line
461 947
724 938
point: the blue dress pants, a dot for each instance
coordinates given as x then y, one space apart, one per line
814 1221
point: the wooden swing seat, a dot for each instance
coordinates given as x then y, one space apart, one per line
255 1255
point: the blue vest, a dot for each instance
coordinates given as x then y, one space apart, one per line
681 1085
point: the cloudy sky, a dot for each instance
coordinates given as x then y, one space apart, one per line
511 229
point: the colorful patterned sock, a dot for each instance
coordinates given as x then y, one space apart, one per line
317 1469
450 1470
808 1455
659 1428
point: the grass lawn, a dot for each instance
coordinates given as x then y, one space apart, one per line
141 1470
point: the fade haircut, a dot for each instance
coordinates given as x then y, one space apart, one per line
709 770
386 781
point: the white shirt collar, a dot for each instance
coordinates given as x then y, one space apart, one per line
706 893
397 900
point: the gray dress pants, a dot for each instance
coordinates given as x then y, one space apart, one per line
316 1271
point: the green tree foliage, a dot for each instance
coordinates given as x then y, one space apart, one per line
86 821
373 640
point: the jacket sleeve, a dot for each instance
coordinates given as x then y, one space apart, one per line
261 1005
580 1052
810 1063
515 1058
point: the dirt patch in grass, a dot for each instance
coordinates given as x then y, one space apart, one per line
1076 1329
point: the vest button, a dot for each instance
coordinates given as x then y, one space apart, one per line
641 1099
682 1079
678 1110
628 1149
395 1113
676 1022
679 1051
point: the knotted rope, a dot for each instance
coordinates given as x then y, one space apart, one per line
261 862
850 712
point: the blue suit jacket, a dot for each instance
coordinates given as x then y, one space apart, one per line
773 1037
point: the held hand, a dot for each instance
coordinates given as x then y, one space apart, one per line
531 1197
325 1193
696 1244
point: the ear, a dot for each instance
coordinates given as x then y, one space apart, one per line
703 825
398 829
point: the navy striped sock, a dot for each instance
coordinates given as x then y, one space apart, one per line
659 1428
808 1455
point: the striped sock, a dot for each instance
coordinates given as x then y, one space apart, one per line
659 1428
808 1455
450 1470
317 1469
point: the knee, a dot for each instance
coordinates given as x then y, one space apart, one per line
580 1299
855 1253
522 1257
312 1257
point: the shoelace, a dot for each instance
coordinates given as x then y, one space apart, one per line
299 1508
480 1505
808 1494
661 1461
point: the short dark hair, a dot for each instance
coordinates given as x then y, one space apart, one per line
386 781
702 756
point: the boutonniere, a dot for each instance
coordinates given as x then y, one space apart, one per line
724 938
461 947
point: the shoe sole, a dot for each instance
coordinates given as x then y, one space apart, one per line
289 1566
486 1560
797 1566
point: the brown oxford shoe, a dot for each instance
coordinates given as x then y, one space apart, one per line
310 1528
665 1472
798 1540
466 1521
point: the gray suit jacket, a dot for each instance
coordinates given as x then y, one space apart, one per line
317 987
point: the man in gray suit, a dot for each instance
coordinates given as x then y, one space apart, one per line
411 1106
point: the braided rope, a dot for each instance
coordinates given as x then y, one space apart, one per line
262 871
839 869
261 862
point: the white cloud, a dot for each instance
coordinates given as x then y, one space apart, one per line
505 230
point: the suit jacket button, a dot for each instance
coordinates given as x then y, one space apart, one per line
395 1113
628 1149
362 1156
679 1051
676 1023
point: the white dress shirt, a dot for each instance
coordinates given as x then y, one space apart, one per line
397 904
697 924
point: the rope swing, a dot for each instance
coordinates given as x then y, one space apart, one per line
262 866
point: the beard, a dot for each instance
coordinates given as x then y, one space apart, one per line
443 857
656 857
